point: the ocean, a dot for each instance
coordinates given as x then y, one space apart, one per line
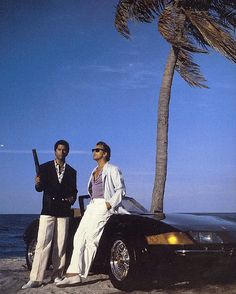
12 227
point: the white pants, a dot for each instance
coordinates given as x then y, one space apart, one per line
50 228
87 236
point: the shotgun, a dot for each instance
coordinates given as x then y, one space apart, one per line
36 161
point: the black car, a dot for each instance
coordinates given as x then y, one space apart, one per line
141 245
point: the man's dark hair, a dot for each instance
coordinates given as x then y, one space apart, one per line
64 143
106 148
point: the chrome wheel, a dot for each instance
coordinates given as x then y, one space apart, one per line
119 260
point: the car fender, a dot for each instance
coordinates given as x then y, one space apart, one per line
31 231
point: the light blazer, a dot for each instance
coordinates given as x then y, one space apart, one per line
56 194
114 186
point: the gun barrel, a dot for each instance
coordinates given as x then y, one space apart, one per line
36 161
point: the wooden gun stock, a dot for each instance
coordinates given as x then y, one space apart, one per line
36 161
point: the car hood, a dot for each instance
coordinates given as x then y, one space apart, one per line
213 222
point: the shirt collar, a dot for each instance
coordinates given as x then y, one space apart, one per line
57 164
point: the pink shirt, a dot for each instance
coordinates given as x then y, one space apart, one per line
97 186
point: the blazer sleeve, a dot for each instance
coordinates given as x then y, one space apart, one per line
119 187
74 190
41 186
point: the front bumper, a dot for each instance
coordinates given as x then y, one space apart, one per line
182 264
207 252
187 257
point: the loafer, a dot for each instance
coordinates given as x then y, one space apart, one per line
57 279
69 282
31 284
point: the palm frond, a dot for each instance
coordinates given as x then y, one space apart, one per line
189 70
215 35
225 11
194 4
194 35
140 10
172 26
206 5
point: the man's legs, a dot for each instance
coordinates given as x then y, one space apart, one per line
76 262
99 216
87 238
59 246
43 247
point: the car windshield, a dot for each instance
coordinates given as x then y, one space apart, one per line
133 206
128 203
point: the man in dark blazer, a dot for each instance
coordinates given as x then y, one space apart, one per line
57 180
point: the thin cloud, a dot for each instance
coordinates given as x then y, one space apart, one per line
128 76
103 68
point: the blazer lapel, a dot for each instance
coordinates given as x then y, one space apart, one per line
104 172
65 174
54 172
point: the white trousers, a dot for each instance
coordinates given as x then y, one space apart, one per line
50 228
87 237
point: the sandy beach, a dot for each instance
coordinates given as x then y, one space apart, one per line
13 274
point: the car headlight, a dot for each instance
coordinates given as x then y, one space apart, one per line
206 237
172 238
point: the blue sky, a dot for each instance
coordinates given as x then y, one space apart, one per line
66 73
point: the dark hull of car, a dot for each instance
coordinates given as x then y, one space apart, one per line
151 258
169 260
178 264
211 222
156 255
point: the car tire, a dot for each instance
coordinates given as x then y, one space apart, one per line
30 251
122 265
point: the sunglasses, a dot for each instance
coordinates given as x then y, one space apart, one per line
98 150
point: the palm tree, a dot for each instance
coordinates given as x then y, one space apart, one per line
190 26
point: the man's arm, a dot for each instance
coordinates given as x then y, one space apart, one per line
73 195
40 179
119 187
38 183
38 186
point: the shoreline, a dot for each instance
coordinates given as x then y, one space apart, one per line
14 273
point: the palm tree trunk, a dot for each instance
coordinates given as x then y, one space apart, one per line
162 133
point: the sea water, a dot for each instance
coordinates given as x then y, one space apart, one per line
12 227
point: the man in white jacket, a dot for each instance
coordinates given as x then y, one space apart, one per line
106 189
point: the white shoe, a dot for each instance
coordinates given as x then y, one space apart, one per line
31 284
57 279
69 281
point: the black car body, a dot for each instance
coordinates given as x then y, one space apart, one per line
142 245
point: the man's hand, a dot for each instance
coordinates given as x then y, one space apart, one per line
70 199
37 180
108 205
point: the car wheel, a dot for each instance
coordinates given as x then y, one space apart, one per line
123 269
30 252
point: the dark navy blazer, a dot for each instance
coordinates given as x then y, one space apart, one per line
56 194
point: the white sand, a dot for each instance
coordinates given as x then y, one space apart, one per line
13 274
